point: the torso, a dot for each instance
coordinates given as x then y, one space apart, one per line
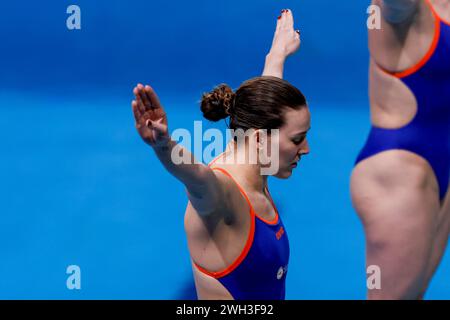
214 245
392 104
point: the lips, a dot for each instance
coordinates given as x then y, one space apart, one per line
295 163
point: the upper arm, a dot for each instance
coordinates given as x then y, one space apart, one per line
209 197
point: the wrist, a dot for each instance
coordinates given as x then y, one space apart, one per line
275 56
162 147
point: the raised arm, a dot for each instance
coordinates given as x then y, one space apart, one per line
398 11
286 42
204 189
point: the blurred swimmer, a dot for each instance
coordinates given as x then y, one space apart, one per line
400 182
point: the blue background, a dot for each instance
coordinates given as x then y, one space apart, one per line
78 186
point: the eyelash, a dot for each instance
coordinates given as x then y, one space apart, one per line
297 142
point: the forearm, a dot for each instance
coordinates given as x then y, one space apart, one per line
274 65
398 11
197 177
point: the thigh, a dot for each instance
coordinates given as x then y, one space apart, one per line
442 230
394 193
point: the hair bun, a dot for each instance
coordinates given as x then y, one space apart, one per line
217 104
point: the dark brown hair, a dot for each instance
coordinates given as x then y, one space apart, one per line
257 104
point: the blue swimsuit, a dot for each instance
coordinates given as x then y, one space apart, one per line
259 273
428 134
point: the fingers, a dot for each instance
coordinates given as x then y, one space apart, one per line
140 104
136 112
285 20
143 96
146 98
289 17
298 35
151 95
278 22
147 95
282 21
139 119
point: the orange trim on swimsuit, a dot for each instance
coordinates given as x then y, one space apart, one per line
215 159
274 220
248 244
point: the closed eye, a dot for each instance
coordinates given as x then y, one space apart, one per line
299 140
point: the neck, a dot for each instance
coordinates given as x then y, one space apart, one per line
250 174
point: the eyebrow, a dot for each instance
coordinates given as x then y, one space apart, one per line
303 132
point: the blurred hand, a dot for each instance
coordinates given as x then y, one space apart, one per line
151 119
286 40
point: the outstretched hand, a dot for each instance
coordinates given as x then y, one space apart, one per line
150 117
286 40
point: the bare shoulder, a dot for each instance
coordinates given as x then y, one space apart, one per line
215 241
230 212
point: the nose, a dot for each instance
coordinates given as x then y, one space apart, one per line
305 148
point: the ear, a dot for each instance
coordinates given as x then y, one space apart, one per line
261 138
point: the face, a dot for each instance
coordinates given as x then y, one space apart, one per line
293 141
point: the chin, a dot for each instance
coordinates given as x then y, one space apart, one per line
284 174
